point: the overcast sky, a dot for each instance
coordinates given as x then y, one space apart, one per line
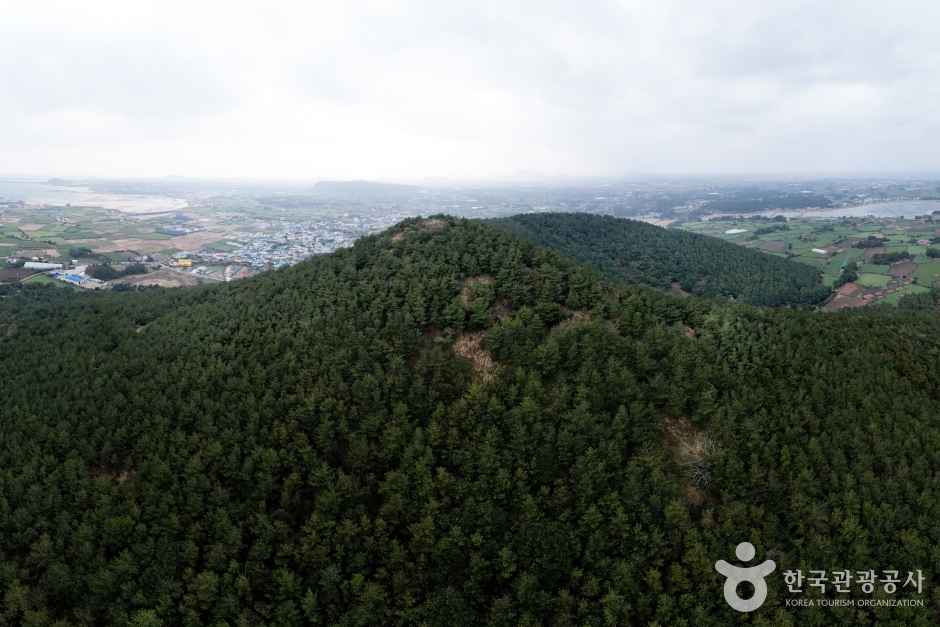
405 90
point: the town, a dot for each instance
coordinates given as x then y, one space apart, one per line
187 232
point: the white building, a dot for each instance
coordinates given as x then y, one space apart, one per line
38 265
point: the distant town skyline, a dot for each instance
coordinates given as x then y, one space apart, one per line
422 91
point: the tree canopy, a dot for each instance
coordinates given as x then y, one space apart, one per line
448 425
640 253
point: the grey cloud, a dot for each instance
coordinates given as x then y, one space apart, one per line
467 90
138 76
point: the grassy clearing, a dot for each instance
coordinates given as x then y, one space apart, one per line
803 235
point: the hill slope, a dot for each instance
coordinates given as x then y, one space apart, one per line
642 253
447 425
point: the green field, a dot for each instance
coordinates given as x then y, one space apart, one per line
220 246
797 238
118 257
45 279
892 299
873 280
829 278
927 273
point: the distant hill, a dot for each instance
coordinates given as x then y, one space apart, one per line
448 425
637 252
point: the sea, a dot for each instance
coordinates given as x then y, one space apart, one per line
41 192
892 209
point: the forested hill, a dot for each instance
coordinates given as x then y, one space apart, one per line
642 253
446 425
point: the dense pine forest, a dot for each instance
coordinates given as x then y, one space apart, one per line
645 254
449 425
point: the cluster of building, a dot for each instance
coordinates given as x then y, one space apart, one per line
291 242
72 274
78 278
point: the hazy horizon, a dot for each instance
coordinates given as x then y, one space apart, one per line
417 92
728 178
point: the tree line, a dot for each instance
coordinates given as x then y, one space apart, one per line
640 253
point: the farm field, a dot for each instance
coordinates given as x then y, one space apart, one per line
234 232
79 237
11 275
864 260
45 279
873 280
52 233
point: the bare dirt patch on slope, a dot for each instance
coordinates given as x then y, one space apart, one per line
676 290
470 347
430 225
691 449
160 278
433 225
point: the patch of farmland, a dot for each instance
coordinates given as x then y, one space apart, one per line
814 260
913 289
77 233
773 246
137 245
152 235
162 278
873 280
838 261
120 256
12 275
45 279
894 297
835 264
821 240
896 248
926 274
195 241
902 269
